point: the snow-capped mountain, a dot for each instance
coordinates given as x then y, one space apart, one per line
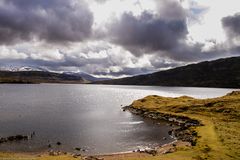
83 75
22 68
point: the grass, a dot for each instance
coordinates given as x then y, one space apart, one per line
219 138
18 156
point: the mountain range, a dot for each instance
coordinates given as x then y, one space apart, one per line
221 73
38 77
32 74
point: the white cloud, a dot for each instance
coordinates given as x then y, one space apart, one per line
8 53
103 12
210 26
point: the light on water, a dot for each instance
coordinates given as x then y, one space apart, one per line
86 116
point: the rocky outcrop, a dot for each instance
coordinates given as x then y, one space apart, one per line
14 138
183 130
150 151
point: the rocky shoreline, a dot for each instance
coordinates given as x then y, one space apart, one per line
184 129
17 138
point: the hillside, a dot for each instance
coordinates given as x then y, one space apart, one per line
38 77
223 73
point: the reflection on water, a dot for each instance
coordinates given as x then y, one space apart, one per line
87 116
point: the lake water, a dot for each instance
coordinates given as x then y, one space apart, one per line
86 116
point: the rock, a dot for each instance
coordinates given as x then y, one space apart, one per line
93 158
2 140
125 108
184 132
53 153
32 134
14 138
151 151
76 155
17 138
148 151
170 150
78 149
164 138
59 143
141 150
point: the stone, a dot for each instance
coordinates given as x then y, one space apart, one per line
76 155
59 143
78 149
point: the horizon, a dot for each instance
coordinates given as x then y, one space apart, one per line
117 38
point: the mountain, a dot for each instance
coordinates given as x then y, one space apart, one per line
222 73
38 77
22 68
87 77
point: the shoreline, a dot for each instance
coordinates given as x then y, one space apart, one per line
170 119
145 152
207 129
183 130
161 149
56 154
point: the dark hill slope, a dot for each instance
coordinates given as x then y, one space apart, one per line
38 77
218 73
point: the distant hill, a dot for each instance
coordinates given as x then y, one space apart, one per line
86 76
223 73
38 77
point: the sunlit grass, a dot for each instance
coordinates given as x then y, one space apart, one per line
220 135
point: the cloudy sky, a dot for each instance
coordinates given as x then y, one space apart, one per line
117 38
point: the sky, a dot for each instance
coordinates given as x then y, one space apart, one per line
117 38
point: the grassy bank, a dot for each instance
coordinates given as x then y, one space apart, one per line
217 139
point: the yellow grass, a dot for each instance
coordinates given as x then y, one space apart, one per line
220 135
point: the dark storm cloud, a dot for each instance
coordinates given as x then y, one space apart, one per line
52 21
151 32
163 33
170 10
148 32
232 25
